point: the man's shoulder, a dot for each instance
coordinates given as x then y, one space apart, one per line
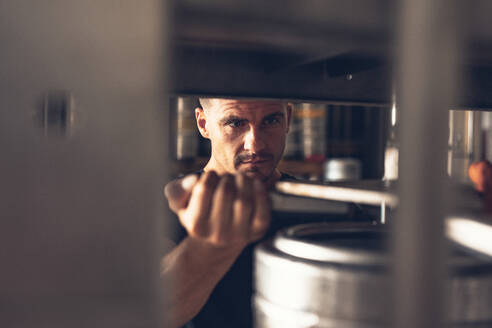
286 177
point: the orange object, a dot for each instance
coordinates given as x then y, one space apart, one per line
480 174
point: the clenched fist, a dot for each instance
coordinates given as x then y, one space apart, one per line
228 210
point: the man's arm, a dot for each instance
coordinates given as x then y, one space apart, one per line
221 215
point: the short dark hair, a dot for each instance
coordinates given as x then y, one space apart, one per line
206 103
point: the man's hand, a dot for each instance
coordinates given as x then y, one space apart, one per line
222 215
220 211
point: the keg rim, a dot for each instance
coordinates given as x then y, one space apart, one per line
289 241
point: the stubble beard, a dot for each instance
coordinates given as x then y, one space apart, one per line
256 172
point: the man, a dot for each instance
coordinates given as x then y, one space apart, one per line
224 211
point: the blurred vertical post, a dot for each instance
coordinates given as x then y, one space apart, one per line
83 148
428 54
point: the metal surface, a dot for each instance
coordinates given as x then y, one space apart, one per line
246 48
207 70
321 27
293 204
337 275
81 216
186 133
342 169
465 143
326 244
270 315
57 114
429 47
472 231
369 192
472 234
250 49
324 291
312 121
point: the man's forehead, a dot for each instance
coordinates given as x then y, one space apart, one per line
226 106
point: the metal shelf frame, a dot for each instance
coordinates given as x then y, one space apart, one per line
438 53
310 50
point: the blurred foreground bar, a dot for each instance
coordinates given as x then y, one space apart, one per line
81 207
429 49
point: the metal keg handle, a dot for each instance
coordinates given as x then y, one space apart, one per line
472 233
335 198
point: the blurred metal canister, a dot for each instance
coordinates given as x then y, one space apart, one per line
337 274
312 119
487 135
293 142
342 169
186 130
392 149
465 143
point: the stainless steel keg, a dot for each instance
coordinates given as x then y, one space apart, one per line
186 131
336 275
312 123
342 169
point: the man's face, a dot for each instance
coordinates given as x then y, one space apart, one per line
247 136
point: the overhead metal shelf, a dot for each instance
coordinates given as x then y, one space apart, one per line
292 26
212 71
283 49
320 50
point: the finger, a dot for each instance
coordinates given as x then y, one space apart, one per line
195 217
178 191
261 218
221 212
243 207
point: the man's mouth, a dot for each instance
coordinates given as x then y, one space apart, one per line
255 161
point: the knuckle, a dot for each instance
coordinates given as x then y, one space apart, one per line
171 190
195 231
259 227
200 188
243 212
218 240
199 232
246 200
192 224
209 182
240 179
261 223
228 185
205 186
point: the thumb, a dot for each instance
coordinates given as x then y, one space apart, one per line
178 191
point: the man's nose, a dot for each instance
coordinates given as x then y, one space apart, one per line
254 140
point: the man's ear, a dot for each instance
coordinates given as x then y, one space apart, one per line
201 122
290 112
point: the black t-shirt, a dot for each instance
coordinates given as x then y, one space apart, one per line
229 305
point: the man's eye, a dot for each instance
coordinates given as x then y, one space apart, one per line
235 123
271 121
